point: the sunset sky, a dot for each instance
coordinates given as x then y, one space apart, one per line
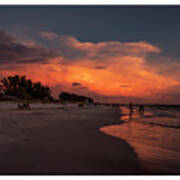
110 53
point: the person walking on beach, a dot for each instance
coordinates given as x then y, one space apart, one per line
130 109
141 109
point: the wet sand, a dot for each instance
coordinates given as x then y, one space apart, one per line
69 143
157 152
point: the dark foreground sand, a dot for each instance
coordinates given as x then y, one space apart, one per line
72 145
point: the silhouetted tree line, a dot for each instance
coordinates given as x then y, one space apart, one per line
65 96
20 87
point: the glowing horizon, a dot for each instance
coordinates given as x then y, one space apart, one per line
106 70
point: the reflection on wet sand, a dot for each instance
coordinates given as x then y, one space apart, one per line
158 147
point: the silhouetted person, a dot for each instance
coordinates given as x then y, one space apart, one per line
130 109
141 109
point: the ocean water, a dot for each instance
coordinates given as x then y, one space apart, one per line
155 137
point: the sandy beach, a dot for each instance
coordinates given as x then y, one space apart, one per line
56 139
89 89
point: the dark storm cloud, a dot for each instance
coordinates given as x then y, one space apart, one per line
12 51
76 84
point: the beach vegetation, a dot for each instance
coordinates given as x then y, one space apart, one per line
70 97
22 88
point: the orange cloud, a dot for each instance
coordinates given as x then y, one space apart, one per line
112 69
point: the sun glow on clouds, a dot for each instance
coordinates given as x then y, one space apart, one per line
106 68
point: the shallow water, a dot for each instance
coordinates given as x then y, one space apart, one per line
155 137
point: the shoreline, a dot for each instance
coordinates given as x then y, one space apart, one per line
155 158
72 144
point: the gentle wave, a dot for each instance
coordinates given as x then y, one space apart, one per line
154 117
158 124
